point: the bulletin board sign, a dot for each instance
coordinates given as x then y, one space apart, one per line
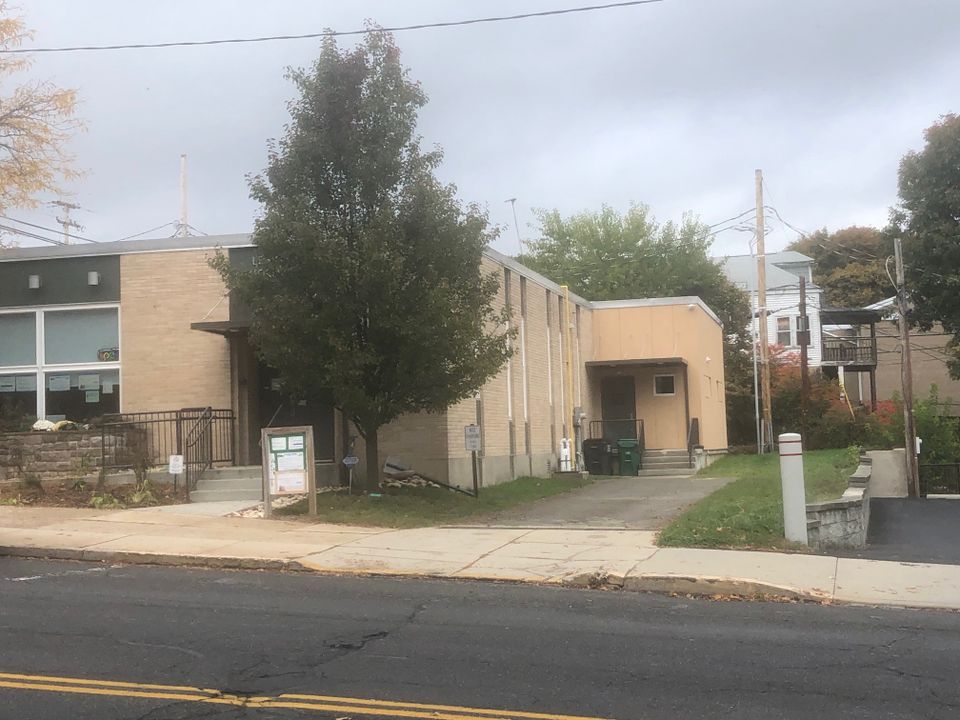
288 465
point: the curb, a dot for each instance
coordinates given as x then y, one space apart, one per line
140 558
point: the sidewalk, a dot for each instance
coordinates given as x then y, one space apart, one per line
579 557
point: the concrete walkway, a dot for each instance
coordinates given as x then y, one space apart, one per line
638 503
580 557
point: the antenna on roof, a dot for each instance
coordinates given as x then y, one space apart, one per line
183 228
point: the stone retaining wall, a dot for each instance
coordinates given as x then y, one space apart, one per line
49 455
843 522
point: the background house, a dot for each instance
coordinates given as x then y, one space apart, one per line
784 270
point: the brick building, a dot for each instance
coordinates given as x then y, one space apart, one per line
147 325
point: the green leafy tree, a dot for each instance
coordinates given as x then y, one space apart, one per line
849 264
928 220
608 255
367 286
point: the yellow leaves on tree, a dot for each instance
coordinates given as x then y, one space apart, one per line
36 121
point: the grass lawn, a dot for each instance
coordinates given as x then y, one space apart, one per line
748 512
423 507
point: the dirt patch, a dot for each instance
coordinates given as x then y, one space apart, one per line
77 495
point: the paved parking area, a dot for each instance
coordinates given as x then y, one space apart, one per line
637 503
912 530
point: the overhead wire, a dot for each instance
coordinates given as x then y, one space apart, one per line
28 234
72 236
333 33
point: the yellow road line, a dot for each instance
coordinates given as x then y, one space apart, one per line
454 708
106 683
327 703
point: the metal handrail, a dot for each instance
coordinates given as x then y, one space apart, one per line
693 438
198 447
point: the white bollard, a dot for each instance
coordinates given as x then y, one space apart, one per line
791 479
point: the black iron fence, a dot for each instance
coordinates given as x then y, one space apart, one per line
204 436
940 479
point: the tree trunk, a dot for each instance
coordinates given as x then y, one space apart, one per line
372 484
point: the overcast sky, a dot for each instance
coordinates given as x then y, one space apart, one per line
672 104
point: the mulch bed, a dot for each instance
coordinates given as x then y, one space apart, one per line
65 494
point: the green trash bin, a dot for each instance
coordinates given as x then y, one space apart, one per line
629 456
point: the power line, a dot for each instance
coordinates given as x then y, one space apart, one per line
28 234
42 227
735 217
333 33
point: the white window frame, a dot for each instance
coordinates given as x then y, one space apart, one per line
41 367
673 377
790 330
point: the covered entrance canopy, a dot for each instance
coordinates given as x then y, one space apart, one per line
259 400
645 398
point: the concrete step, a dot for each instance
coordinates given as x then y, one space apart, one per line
660 472
229 483
254 495
238 471
666 453
665 459
220 483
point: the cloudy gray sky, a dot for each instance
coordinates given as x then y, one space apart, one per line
672 104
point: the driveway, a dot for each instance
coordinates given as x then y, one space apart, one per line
912 530
637 503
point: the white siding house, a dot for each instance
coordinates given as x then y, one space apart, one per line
784 270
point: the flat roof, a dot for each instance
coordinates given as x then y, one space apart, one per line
125 247
657 302
237 240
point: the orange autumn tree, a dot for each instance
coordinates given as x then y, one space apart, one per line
37 120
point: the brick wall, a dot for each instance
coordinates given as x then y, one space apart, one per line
166 365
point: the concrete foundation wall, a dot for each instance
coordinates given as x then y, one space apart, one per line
844 522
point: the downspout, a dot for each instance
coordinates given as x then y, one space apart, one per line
686 399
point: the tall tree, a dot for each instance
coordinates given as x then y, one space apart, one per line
849 264
367 285
36 121
928 219
608 255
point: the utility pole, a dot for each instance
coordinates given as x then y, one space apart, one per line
767 427
906 377
65 221
803 339
183 227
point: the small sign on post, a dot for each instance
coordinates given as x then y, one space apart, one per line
350 461
175 468
473 441
288 466
794 495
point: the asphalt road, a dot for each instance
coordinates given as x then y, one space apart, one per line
551 651
637 503
912 530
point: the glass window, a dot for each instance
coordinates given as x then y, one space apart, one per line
18 402
664 385
783 331
81 336
19 333
82 396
